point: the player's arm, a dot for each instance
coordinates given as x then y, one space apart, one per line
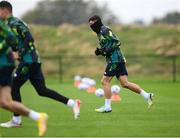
112 43
99 51
3 45
15 55
22 30
9 38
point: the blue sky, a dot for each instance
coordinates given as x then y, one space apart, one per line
126 10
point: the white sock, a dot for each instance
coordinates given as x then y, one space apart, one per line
144 94
34 115
108 102
71 103
17 119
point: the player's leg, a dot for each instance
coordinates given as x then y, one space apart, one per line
129 85
42 90
38 81
107 92
137 89
7 103
105 81
108 75
122 76
20 76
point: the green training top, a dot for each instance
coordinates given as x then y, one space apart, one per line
7 39
108 40
25 48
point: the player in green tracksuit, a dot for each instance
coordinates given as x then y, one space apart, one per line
6 36
8 40
6 59
29 67
110 49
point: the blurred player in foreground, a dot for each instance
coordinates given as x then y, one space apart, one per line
110 49
29 67
7 39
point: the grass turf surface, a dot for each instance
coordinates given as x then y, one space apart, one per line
129 117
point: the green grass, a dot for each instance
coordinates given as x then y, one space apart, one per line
130 117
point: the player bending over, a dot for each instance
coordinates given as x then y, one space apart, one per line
29 67
110 49
6 68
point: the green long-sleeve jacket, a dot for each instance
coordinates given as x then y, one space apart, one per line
25 48
109 41
7 40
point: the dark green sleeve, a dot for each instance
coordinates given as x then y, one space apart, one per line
11 40
8 36
21 30
3 45
112 42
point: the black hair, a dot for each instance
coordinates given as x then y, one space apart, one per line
95 17
7 5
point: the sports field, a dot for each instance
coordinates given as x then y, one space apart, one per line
129 117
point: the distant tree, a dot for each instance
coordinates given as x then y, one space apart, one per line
170 18
139 22
56 12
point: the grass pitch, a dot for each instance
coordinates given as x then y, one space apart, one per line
129 118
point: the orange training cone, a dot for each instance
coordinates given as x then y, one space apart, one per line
115 97
77 83
91 89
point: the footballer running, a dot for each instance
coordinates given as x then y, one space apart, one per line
29 67
7 64
110 49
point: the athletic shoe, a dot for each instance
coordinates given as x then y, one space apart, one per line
42 124
76 109
103 109
10 124
150 100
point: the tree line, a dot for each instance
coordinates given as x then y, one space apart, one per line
57 12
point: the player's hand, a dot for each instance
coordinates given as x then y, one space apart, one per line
15 55
106 52
98 51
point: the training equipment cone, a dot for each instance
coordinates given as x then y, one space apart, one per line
77 83
115 97
91 89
